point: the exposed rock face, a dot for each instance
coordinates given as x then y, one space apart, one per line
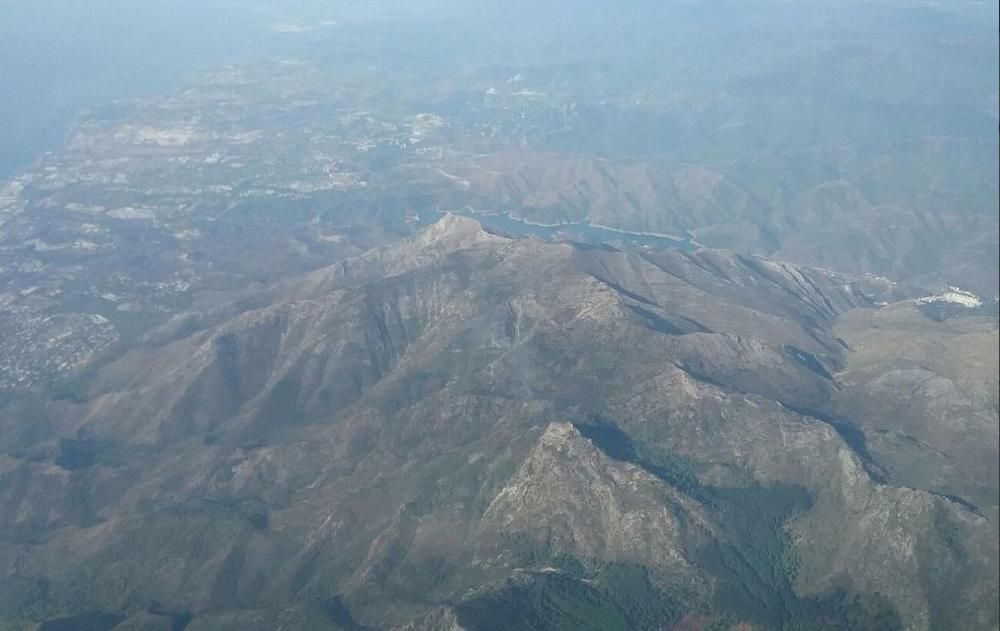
426 433
580 502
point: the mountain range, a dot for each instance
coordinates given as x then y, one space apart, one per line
468 430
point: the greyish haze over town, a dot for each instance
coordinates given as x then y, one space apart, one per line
673 315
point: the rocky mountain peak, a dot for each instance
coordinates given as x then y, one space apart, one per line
470 408
591 504
452 231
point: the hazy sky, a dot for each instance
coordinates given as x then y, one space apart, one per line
58 57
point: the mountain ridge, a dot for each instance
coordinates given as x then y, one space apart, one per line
371 407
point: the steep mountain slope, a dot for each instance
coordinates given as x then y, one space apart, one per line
464 428
925 393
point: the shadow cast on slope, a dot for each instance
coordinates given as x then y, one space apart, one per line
753 562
